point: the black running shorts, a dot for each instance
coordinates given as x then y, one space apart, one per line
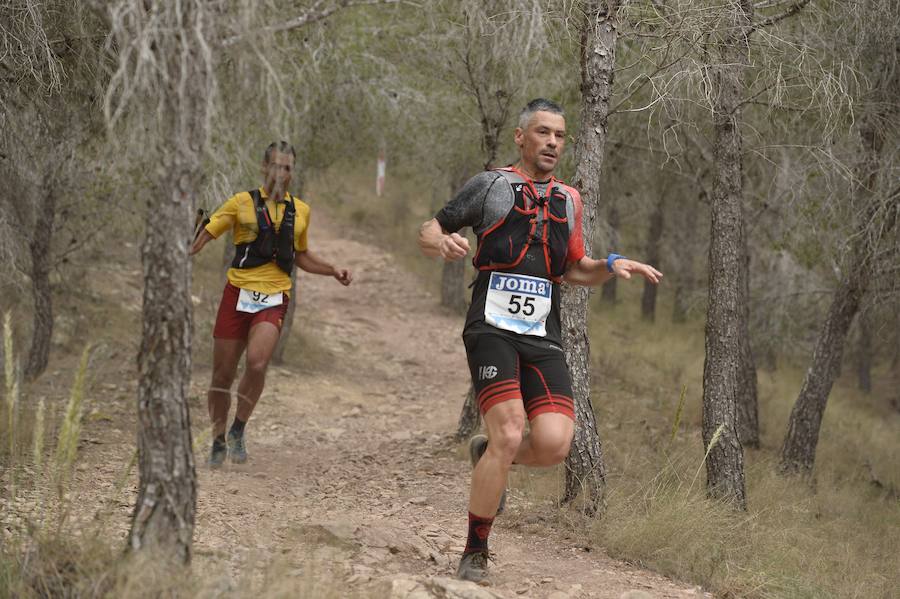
504 368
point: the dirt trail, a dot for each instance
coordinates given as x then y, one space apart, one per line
353 472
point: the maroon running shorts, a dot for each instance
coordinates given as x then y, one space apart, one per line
232 324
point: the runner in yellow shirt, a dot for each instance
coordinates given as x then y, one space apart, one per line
269 227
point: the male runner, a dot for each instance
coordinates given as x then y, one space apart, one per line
269 226
529 233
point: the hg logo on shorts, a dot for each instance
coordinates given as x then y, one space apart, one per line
521 284
486 372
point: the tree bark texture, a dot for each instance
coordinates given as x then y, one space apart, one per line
164 512
654 237
41 290
585 467
726 310
178 102
747 396
798 454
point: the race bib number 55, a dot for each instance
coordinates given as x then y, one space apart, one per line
518 303
254 301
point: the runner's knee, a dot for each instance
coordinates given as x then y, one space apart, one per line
222 378
507 439
552 451
257 366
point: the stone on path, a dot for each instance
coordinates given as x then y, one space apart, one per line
438 588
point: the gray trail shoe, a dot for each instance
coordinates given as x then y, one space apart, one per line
477 446
473 567
236 448
217 455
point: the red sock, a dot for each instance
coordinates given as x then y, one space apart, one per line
479 529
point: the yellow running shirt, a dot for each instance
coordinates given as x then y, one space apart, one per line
239 215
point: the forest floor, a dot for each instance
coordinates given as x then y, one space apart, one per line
354 483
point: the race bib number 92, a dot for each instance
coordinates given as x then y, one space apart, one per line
518 303
254 301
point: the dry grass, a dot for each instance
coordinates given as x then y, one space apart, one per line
44 554
838 538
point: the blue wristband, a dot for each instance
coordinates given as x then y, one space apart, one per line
612 258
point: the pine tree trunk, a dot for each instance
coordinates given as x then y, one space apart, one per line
164 512
585 467
798 454
654 237
726 310
177 100
41 291
799 451
747 398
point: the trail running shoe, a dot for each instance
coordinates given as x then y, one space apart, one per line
473 567
477 446
217 454
236 448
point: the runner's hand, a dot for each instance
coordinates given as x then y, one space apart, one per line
343 276
454 246
625 268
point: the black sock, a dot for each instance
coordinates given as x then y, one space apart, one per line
479 529
237 427
219 442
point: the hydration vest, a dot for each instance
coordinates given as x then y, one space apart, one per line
533 220
269 245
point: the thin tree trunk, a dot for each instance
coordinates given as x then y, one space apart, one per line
747 398
798 454
864 353
608 290
176 92
42 292
167 494
726 310
799 451
654 236
585 468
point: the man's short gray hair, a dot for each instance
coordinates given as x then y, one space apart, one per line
538 105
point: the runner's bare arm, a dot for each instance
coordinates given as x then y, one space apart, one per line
312 263
202 239
590 272
433 242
